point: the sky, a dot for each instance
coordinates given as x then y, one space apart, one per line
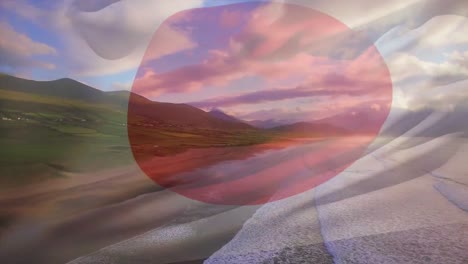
246 58
422 43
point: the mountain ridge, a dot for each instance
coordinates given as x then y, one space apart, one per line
316 128
180 114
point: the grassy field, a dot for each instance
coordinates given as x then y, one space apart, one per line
44 137
50 128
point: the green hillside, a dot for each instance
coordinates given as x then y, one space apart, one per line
50 128
44 136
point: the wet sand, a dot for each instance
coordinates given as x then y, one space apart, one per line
61 219
385 203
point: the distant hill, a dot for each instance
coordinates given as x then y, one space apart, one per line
312 128
223 116
54 127
360 122
64 88
180 114
270 123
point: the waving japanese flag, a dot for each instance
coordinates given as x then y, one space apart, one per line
246 132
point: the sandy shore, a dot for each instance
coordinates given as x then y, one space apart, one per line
94 210
386 203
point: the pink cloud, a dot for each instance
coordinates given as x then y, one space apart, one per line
231 18
282 94
322 76
281 43
218 69
276 25
172 41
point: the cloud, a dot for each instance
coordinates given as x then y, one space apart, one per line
260 49
24 10
128 25
378 17
351 109
427 62
218 69
440 33
351 12
93 5
87 27
292 50
460 58
118 86
410 69
104 37
222 68
296 29
18 51
333 89
231 19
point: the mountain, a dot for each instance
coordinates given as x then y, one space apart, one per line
49 128
61 88
180 114
266 124
361 122
311 128
223 116
64 88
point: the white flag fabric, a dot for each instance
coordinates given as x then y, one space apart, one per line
400 197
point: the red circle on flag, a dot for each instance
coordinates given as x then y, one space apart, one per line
325 85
